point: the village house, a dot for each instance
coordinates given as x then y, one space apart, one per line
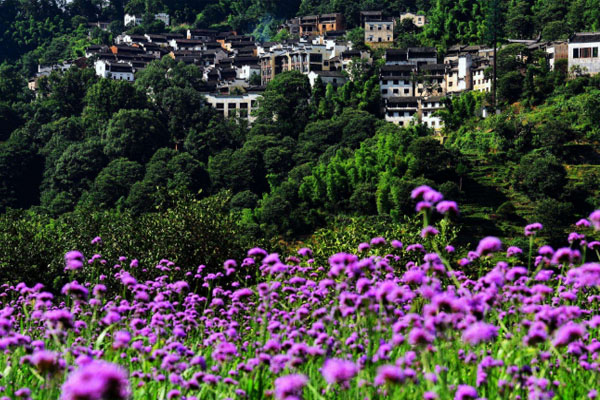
583 52
379 33
397 81
429 107
135 20
402 110
418 19
115 70
335 78
232 106
313 25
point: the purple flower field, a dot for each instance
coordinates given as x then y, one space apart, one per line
395 320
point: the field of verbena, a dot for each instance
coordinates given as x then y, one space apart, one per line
396 321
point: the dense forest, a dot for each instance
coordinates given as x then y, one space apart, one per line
118 153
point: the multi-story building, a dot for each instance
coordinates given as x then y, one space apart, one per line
429 107
314 25
397 81
379 33
231 106
481 83
302 58
430 80
584 54
402 110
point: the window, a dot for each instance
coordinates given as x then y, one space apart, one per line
395 82
575 53
244 105
406 91
384 91
220 106
585 53
595 52
395 91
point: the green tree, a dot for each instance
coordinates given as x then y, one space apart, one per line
285 103
134 134
113 183
107 97
540 176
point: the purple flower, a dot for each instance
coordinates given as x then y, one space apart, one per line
419 336
423 205
583 223
75 290
305 252
339 371
97 240
377 241
480 332
419 191
23 392
513 251
595 219
257 251
564 256
568 333
290 386
465 392
363 247
489 245
546 251
532 229
396 244
433 196
429 231
47 362
389 374
121 339
74 260
446 206
97 380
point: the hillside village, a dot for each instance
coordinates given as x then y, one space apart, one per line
236 68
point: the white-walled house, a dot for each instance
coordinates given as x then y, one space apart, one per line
246 71
230 106
584 52
402 110
135 20
132 20
429 107
335 78
115 70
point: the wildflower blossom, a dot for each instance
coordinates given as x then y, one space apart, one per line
533 229
489 245
98 380
290 386
339 371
